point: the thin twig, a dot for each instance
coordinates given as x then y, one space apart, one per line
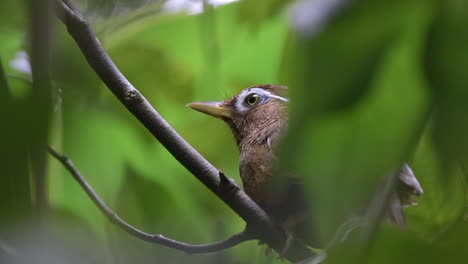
153 238
257 220
376 212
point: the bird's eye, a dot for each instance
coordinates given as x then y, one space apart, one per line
252 99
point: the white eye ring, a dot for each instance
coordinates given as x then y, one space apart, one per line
241 105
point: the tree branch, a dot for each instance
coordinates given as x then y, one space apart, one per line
153 238
258 222
376 212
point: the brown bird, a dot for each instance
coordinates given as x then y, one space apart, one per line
257 117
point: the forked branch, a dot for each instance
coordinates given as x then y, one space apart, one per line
259 224
153 238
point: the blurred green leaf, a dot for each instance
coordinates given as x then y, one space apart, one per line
260 10
13 28
98 144
438 208
359 102
15 194
446 63
150 207
13 14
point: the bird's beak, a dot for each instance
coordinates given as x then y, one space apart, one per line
216 109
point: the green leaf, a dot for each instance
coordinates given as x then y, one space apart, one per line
446 60
258 11
153 209
359 102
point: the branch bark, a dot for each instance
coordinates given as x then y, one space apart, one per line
153 238
259 225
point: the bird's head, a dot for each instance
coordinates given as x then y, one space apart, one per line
253 115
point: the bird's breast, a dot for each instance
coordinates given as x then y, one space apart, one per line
255 167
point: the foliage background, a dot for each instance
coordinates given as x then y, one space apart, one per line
379 83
